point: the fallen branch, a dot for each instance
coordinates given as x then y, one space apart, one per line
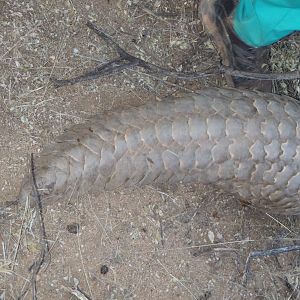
76 291
265 253
37 264
128 61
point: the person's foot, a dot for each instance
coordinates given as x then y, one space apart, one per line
217 18
247 58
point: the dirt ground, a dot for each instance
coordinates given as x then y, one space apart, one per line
171 242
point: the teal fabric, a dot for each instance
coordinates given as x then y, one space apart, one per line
263 22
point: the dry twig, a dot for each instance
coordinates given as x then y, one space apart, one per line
76 290
264 253
128 61
37 264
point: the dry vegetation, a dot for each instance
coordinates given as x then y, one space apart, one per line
285 57
183 242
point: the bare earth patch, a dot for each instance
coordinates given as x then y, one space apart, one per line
168 242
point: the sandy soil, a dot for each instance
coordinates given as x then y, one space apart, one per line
171 242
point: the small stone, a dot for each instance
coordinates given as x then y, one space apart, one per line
73 228
211 236
104 269
24 120
75 51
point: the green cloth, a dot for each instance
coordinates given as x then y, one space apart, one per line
263 22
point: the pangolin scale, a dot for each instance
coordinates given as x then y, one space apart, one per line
245 142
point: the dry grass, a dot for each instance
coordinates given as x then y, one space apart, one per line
285 57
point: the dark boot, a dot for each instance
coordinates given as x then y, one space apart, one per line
247 58
217 18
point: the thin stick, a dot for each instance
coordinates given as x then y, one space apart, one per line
179 281
83 267
281 224
260 76
20 236
264 253
37 264
77 292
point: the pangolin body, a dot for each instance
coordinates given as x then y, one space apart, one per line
243 141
